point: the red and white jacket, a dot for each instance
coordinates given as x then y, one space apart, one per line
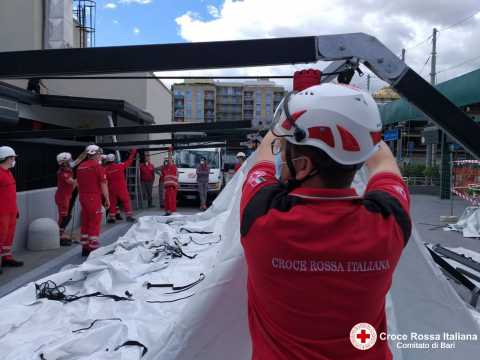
170 176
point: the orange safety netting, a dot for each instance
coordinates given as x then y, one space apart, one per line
466 180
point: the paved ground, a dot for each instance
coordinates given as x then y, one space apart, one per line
426 211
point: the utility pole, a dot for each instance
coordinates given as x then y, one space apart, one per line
403 55
433 72
368 81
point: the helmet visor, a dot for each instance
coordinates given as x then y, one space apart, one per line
278 114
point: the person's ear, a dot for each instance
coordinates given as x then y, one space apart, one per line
303 166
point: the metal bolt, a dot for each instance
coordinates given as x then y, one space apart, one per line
380 61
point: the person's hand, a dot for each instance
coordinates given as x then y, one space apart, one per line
106 204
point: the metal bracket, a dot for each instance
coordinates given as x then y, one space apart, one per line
372 53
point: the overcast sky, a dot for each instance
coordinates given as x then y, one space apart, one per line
398 24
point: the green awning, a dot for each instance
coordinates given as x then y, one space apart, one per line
462 91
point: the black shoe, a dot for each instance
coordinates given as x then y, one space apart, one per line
130 219
85 252
118 217
11 263
167 214
111 221
65 242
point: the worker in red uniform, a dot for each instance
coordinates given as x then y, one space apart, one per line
92 189
241 157
65 186
161 179
8 209
170 185
147 177
320 257
117 187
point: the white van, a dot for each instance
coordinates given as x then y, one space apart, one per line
187 162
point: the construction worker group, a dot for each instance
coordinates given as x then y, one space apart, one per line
100 183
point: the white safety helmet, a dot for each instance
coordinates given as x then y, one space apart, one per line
64 156
241 154
341 120
93 150
110 157
5 152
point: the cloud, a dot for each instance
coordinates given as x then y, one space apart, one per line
212 10
399 24
110 6
116 22
140 2
136 31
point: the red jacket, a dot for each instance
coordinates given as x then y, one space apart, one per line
147 172
64 187
237 166
319 262
170 176
8 192
116 172
90 175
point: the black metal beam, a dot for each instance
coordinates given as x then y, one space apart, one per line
125 130
121 107
159 57
197 139
441 110
199 146
18 94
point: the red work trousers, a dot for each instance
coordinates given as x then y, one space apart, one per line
63 204
170 199
119 195
8 223
91 219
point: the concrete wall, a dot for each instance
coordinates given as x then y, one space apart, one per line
159 104
134 91
21 25
37 204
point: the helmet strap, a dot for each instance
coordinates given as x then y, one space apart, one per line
299 134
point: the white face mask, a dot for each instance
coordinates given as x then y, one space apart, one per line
13 164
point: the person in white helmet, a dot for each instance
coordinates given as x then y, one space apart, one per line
8 209
320 257
65 187
92 189
117 187
241 157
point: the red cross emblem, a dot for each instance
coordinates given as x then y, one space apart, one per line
363 336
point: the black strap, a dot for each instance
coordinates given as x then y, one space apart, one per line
169 301
51 291
195 231
275 196
177 289
93 323
133 343
385 204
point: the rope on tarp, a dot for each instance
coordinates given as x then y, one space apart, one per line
93 323
51 291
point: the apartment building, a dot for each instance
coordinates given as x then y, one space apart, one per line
207 101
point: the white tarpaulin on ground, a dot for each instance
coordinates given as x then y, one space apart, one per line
468 224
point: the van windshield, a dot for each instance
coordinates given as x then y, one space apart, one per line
191 158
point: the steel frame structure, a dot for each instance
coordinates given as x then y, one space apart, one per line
342 49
